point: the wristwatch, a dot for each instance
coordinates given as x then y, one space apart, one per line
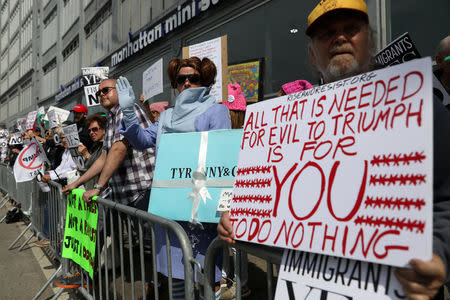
98 187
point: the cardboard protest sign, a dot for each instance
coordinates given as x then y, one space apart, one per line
52 120
217 51
152 80
339 170
178 191
249 75
400 50
60 115
311 276
29 162
73 140
31 118
16 139
91 78
80 233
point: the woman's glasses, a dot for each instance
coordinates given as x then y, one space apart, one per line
193 78
93 129
103 91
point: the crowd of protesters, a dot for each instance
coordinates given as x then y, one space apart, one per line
120 147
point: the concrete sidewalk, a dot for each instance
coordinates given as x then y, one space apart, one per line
22 273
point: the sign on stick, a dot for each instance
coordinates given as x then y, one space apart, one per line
152 80
91 79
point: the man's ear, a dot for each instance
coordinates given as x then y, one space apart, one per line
311 54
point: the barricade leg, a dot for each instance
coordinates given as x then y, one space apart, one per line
26 242
50 280
60 291
20 235
4 201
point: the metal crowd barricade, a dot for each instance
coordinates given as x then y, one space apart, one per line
118 215
272 255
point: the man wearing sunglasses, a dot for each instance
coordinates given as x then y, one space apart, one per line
127 170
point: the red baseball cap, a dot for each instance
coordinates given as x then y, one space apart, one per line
80 108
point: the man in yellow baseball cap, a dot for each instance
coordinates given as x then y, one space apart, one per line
342 45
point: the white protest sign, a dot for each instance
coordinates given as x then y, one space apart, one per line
52 120
4 133
31 118
212 49
309 276
20 124
71 134
73 140
16 139
3 143
339 170
92 77
226 195
28 163
152 80
41 110
61 115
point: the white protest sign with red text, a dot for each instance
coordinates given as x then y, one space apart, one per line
29 162
343 169
31 118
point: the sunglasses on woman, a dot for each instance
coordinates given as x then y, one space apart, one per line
193 78
103 91
93 129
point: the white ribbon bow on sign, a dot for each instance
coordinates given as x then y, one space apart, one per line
199 191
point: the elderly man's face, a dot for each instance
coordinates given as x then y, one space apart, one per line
108 95
341 47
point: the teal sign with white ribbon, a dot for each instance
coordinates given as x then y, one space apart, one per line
192 170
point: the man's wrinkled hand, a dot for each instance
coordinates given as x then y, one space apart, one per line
87 196
424 280
68 188
224 228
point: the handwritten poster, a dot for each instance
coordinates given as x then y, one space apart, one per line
215 50
152 80
31 118
309 276
343 169
80 233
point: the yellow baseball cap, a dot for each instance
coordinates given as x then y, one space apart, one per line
326 6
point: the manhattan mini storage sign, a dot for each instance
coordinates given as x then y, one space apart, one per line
343 169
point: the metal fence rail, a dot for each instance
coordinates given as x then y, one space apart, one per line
131 264
272 255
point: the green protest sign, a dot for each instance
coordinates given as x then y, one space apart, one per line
80 234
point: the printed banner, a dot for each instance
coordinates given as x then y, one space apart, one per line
80 233
339 169
73 140
31 118
56 116
91 78
16 139
29 162
400 50
152 80
308 276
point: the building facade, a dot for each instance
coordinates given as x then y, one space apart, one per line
44 44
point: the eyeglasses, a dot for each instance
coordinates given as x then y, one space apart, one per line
193 78
103 91
93 129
